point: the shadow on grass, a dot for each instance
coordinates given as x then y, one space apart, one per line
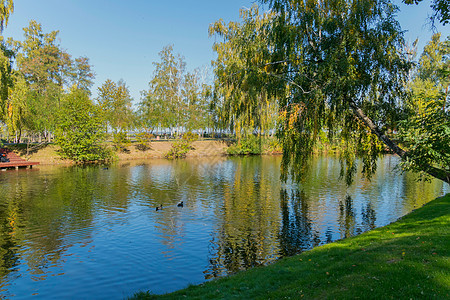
23 150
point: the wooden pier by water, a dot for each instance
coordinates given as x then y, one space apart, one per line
15 161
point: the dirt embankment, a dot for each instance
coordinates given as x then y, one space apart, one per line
47 155
160 148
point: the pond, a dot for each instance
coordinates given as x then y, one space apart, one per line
71 232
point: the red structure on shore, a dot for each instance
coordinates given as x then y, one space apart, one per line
15 161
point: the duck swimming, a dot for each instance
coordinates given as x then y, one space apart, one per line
159 207
181 204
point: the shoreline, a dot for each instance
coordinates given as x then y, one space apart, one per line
47 154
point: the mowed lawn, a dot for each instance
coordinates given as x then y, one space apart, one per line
408 259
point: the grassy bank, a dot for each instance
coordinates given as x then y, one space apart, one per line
408 259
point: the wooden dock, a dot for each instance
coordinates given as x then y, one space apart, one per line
15 161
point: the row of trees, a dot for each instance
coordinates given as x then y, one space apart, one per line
45 95
176 99
34 78
44 73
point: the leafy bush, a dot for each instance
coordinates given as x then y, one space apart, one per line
179 150
273 146
181 147
120 141
143 141
250 145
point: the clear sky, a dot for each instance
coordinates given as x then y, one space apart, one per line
123 38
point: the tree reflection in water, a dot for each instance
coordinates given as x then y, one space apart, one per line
64 226
258 225
368 217
296 234
346 217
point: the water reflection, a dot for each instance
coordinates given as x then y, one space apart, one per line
368 218
296 234
247 218
347 220
96 233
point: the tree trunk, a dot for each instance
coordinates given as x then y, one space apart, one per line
433 171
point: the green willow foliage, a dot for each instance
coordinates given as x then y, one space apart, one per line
249 145
338 67
79 131
332 66
6 9
6 80
17 108
341 56
243 101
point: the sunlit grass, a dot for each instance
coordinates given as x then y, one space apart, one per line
406 259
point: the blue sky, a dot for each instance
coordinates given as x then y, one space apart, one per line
123 38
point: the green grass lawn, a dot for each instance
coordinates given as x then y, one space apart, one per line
408 259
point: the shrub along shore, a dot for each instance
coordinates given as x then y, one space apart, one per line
48 154
408 259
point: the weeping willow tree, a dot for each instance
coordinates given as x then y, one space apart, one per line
6 9
334 66
346 67
243 98
344 71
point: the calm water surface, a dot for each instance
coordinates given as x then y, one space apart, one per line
88 233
